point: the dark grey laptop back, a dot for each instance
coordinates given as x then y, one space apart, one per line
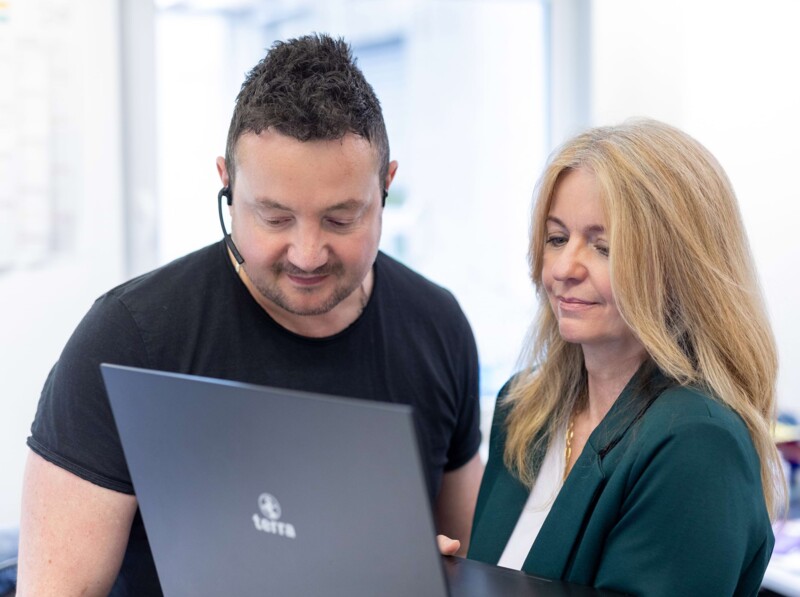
246 490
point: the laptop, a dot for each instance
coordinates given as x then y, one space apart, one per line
248 490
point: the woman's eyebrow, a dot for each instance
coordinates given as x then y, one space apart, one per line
593 229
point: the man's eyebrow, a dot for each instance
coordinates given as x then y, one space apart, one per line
350 204
347 205
271 204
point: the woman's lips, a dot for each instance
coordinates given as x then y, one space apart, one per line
574 304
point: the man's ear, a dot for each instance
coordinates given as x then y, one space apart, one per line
390 174
222 170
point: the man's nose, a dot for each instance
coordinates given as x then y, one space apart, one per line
308 250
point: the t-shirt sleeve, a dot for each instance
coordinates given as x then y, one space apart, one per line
74 427
467 435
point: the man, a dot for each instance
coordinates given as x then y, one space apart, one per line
299 297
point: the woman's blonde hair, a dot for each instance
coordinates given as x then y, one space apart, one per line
683 280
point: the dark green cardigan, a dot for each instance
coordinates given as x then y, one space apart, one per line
665 499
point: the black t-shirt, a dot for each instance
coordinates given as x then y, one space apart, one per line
411 345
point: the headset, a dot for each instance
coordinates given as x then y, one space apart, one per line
226 192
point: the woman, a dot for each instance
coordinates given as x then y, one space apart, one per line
635 454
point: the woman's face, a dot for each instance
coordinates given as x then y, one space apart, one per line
575 269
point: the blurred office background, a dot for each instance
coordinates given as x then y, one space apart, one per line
112 113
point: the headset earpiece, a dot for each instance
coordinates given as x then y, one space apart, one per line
225 192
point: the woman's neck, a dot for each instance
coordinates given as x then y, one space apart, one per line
608 374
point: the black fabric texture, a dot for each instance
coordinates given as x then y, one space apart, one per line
412 344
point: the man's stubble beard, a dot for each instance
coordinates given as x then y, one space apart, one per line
272 292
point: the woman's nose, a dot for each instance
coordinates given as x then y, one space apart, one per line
569 263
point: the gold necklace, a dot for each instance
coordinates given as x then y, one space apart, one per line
568 448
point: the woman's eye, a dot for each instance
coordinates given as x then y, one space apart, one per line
602 249
556 240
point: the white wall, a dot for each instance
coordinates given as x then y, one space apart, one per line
477 141
726 72
195 103
41 300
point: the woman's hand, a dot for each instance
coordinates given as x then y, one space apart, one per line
447 546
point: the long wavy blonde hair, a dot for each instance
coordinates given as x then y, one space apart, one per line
683 279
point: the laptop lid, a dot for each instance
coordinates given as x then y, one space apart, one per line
246 490
249 490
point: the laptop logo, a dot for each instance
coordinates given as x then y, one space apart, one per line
269 521
270 507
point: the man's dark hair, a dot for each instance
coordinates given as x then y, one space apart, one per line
309 89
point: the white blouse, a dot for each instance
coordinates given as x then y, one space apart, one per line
545 489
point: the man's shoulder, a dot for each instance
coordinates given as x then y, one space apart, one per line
401 278
419 307
182 276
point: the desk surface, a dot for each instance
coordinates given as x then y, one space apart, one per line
468 578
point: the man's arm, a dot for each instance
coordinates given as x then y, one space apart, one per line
456 503
73 534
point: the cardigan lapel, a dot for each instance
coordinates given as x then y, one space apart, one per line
506 501
551 553
563 527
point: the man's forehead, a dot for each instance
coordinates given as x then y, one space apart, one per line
284 170
271 138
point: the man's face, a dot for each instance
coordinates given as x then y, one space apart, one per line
306 217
